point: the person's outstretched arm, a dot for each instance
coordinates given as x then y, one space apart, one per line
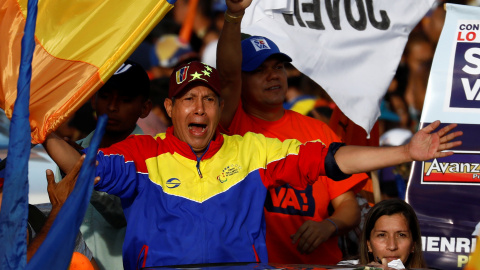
424 145
229 59
61 152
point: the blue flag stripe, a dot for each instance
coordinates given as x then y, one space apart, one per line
61 237
13 217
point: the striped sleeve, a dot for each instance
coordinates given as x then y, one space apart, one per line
301 164
293 163
120 165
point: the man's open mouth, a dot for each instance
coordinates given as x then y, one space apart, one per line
197 128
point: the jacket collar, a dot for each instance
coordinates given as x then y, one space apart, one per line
185 150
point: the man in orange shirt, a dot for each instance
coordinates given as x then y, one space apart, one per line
300 228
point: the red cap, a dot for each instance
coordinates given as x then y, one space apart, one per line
192 74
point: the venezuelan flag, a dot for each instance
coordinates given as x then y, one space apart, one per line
13 217
57 59
78 46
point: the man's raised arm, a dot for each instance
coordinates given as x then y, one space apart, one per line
229 59
61 152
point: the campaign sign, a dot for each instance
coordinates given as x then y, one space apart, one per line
458 169
466 80
445 192
446 245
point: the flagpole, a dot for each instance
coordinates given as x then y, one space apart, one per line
14 212
187 27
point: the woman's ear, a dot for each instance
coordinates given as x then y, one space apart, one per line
369 247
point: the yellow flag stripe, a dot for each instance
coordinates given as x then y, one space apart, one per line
95 31
79 44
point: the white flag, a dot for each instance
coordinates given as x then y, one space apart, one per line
351 48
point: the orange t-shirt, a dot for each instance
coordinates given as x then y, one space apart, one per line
353 134
286 209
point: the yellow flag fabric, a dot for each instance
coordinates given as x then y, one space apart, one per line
474 260
79 45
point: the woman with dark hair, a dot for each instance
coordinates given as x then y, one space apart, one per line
391 232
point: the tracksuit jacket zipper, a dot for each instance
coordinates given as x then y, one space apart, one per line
201 176
199 159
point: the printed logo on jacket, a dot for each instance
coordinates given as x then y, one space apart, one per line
215 178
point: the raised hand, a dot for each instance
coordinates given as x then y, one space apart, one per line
426 145
237 7
59 192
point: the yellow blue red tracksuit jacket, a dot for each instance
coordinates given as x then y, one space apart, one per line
184 209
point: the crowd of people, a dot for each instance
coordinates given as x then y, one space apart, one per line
178 208
235 152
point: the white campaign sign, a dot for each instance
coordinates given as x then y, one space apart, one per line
351 48
453 87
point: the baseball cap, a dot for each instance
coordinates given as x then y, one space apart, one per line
256 49
129 78
193 74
